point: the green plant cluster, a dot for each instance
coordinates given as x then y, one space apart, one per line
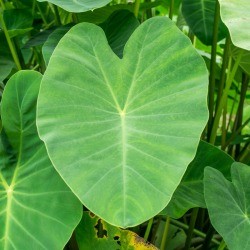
124 124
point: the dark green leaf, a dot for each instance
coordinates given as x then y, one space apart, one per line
118 28
18 21
199 15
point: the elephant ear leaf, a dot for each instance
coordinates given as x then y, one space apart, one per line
230 214
236 16
130 126
199 15
36 206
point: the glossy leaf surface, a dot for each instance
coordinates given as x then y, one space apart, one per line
78 6
228 204
36 207
189 193
199 15
236 15
129 126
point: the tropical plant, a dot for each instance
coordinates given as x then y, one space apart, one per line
124 125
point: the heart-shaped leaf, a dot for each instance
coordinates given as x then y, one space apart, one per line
78 6
36 207
199 15
236 15
129 126
228 204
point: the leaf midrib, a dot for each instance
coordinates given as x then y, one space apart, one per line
12 184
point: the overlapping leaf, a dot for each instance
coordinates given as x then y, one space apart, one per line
236 15
78 6
37 209
94 233
189 193
129 127
228 204
199 15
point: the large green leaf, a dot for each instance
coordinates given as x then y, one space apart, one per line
228 204
37 209
78 6
189 193
129 126
199 15
236 15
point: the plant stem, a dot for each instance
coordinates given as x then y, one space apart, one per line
208 238
223 129
223 99
149 13
137 7
236 132
195 231
149 226
239 114
41 14
171 9
165 234
212 68
10 43
222 245
2 4
191 228
56 14
245 153
223 71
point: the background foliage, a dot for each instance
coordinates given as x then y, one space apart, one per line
122 112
